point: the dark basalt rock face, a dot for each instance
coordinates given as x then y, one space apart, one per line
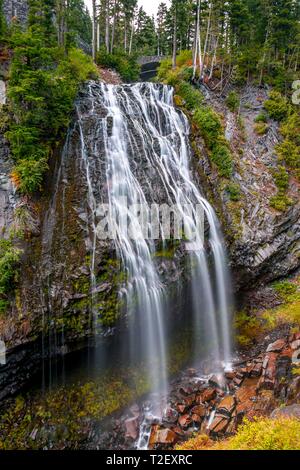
263 244
54 293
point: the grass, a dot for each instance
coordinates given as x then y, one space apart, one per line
248 327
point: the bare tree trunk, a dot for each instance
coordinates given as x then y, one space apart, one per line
94 31
107 25
206 39
125 34
214 58
175 39
200 43
98 36
195 54
132 34
114 26
264 55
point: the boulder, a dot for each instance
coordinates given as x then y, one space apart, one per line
277 346
199 410
226 406
291 411
162 437
208 395
185 421
132 428
217 381
219 424
268 378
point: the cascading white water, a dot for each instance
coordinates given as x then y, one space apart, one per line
143 141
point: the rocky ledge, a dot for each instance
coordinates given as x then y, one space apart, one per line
217 405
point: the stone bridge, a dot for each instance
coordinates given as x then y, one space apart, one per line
149 66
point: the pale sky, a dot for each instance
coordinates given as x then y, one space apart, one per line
150 6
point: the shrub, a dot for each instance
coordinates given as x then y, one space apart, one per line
289 152
126 65
28 174
192 97
247 328
259 434
233 101
209 124
262 117
277 106
184 58
164 68
9 259
285 289
290 129
281 178
43 85
233 191
222 158
280 202
261 128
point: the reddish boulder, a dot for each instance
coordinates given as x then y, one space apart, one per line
162 437
181 408
219 425
229 375
199 410
226 405
268 378
256 370
196 419
295 344
132 428
185 421
277 346
217 381
208 395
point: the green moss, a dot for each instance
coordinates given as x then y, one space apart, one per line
262 117
233 189
281 201
277 106
261 128
9 262
233 101
247 328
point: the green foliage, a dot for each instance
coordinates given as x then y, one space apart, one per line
9 259
262 117
247 328
210 125
234 191
163 69
192 98
286 290
265 434
184 57
2 21
222 158
126 65
29 174
289 150
233 101
277 106
43 85
261 128
281 201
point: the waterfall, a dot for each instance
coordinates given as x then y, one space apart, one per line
134 148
